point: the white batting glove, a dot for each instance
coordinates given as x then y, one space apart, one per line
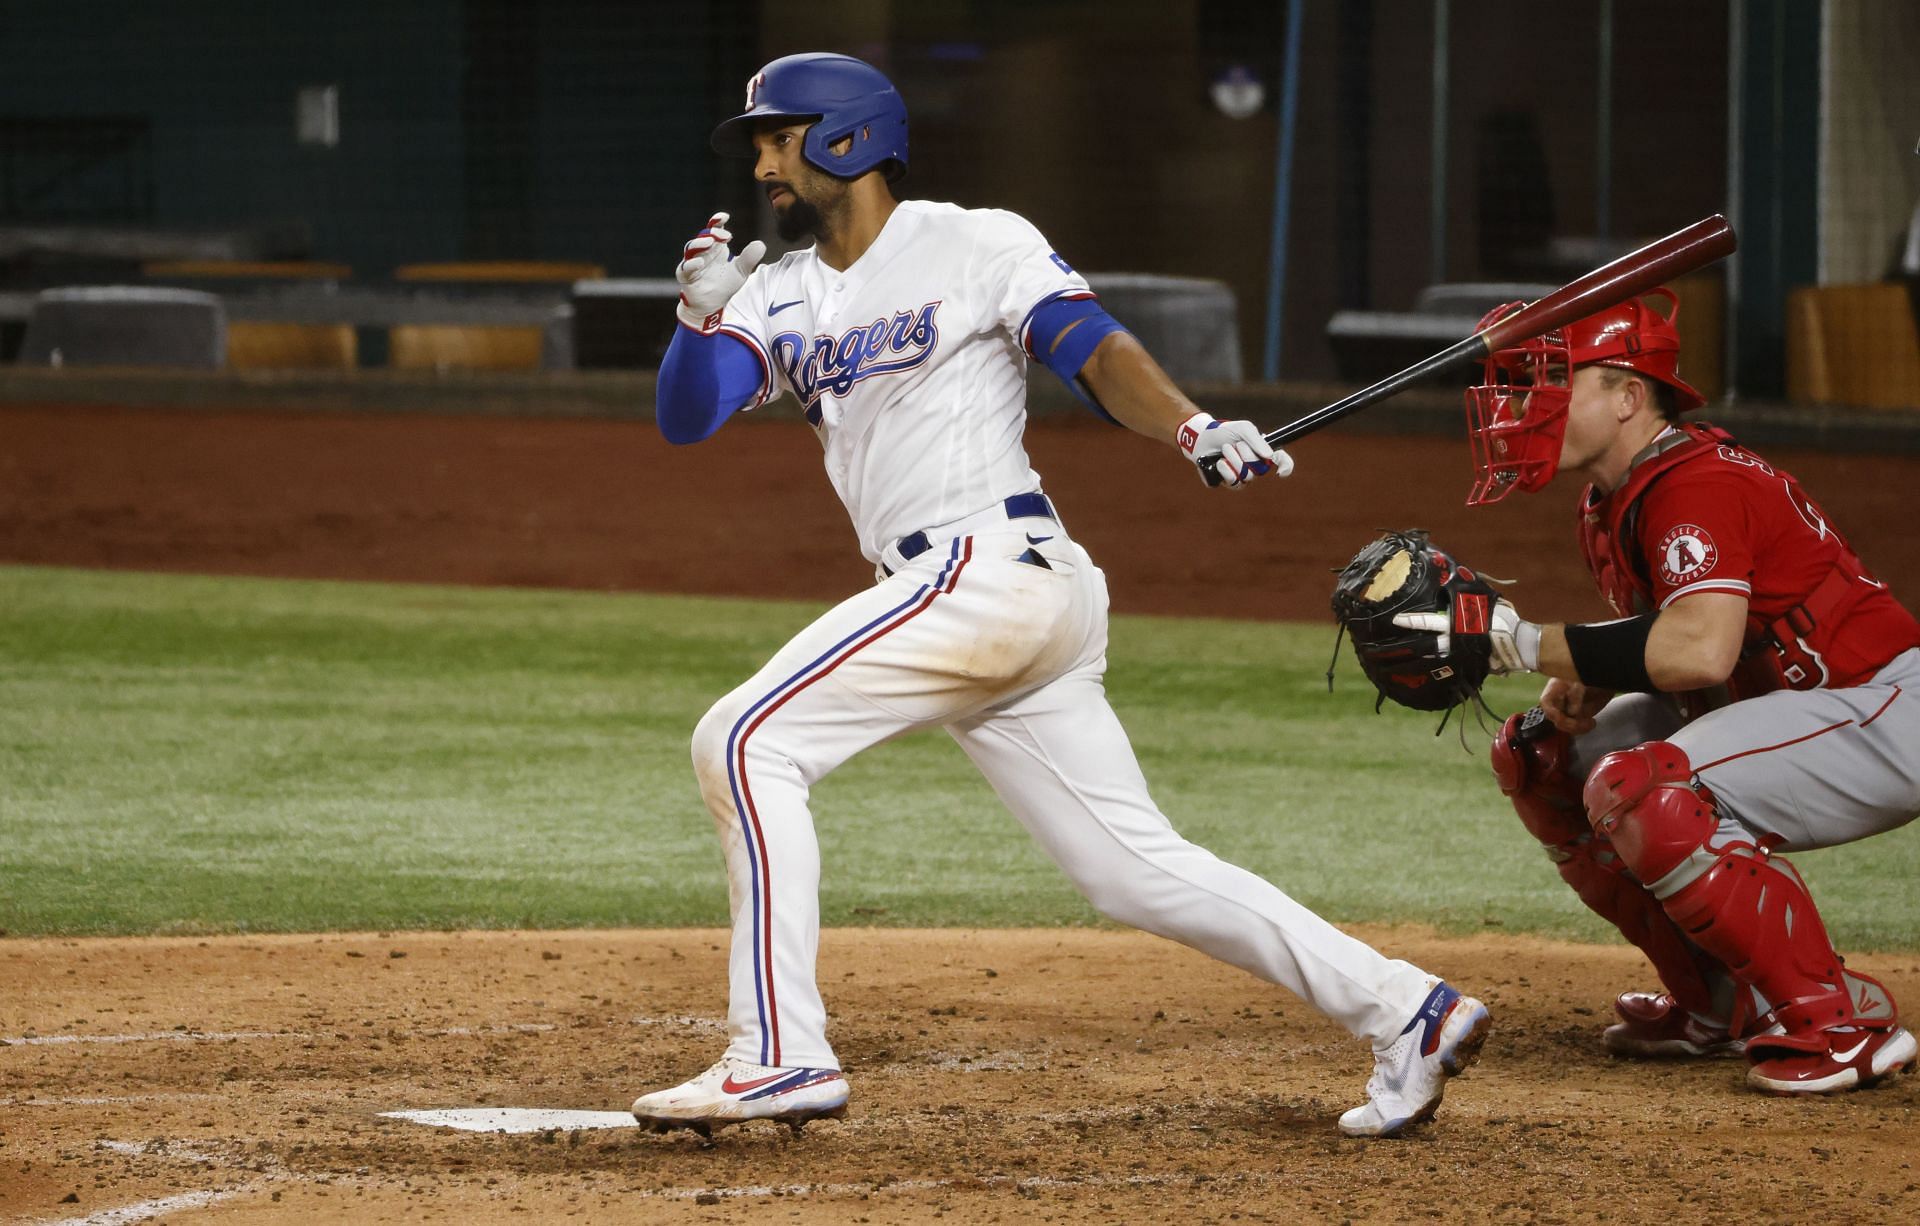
1241 448
1516 641
710 275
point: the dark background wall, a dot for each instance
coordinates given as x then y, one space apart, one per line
468 128
216 82
576 129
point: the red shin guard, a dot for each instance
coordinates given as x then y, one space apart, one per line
1729 896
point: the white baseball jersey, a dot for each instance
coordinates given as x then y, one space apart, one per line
911 365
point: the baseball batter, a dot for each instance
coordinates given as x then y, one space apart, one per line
1758 692
904 332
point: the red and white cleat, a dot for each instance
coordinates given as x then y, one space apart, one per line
1653 1026
735 1091
1846 1059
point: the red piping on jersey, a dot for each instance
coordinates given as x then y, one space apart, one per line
1747 753
1883 708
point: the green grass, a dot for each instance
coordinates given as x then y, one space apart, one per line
197 754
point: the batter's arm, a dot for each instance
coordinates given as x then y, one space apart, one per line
1134 389
1137 393
703 381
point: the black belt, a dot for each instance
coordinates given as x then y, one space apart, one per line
1019 506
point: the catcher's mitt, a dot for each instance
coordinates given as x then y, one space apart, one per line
1402 573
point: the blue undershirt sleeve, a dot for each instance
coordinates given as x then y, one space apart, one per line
1063 333
703 381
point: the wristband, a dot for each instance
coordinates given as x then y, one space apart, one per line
705 325
1613 655
1187 437
1526 644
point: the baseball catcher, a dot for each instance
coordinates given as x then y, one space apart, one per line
1755 691
1428 670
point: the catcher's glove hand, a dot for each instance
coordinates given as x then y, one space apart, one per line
1401 573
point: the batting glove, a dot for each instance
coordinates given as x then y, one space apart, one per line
710 275
1516 641
1241 449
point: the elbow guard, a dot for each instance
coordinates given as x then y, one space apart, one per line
1062 334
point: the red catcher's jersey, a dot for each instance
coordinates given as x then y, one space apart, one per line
1703 514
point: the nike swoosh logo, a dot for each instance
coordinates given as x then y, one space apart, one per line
1841 1057
1035 540
730 1086
775 310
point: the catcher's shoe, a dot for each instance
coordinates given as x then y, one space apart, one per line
1410 1074
1850 1058
1653 1026
734 1091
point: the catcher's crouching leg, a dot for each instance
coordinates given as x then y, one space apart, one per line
1532 762
1831 1028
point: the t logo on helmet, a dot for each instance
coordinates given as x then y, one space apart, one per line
753 87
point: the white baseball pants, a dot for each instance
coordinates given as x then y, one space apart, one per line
1007 655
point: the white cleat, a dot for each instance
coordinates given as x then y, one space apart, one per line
735 1091
1409 1076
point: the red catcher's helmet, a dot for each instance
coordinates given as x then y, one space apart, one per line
1517 417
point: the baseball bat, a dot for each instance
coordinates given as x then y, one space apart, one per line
1634 273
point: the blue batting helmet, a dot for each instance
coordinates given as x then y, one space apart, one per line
849 98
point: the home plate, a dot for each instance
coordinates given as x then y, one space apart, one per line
516 1119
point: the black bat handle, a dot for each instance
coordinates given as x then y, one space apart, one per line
1464 352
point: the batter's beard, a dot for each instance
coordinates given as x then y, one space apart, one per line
800 220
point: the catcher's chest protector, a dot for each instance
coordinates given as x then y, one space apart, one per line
1607 538
1607 522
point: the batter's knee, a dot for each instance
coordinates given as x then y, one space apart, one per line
1533 763
711 737
1130 890
1644 802
1113 899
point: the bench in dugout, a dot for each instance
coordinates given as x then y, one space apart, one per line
493 347
255 345
126 325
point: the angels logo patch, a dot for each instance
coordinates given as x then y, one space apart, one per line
1686 554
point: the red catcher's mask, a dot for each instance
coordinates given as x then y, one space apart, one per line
1517 417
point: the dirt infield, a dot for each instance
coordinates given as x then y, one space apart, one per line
1005 1076
600 504
998 1077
